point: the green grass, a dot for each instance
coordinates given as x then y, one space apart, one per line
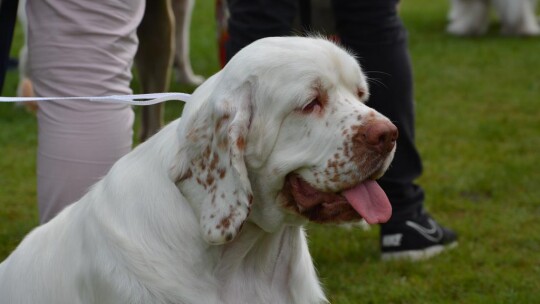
478 130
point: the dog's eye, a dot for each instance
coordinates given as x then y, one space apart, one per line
361 94
314 106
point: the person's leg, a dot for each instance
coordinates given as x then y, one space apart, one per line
374 31
80 48
391 93
251 20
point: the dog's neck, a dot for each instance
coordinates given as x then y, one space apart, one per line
254 247
279 257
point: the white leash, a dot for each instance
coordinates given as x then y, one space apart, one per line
136 99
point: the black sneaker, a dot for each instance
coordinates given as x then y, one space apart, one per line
415 239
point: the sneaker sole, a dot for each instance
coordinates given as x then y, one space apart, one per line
417 255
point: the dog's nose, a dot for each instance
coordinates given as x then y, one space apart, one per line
381 136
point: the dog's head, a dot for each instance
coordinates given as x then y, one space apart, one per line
282 134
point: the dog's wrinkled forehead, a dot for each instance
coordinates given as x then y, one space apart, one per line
284 74
298 61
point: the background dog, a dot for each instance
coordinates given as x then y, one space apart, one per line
471 17
163 45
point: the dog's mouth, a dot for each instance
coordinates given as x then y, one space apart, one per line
366 200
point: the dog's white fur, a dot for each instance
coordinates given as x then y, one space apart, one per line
471 17
196 214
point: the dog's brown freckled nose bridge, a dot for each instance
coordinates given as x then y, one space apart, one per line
379 136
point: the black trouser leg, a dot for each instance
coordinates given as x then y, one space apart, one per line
373 30
254 19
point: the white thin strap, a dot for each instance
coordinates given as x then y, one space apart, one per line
136 99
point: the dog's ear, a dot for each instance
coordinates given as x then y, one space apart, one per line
220 168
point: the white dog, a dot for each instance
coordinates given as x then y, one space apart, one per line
211 208
471 17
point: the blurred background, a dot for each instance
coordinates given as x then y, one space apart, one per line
478 131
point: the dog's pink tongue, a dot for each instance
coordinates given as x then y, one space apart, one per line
370 201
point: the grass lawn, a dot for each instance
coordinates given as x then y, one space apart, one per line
478 130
